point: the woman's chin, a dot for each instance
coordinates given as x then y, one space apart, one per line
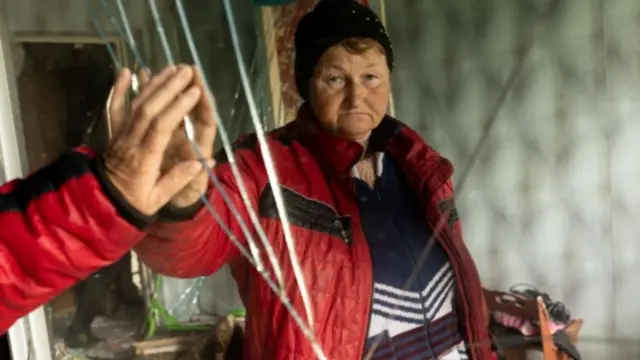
359 135
356 129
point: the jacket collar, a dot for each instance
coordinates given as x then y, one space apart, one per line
336 154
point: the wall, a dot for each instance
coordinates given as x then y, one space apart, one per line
552 199
12 151
72 17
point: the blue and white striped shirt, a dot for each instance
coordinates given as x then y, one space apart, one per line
417 321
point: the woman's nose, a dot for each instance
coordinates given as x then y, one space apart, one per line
357 92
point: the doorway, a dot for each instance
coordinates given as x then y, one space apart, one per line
62 90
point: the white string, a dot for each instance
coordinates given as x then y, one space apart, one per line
161 33
243 193
191 44
190 133
127 36
226 144
296 317
269 166
103 36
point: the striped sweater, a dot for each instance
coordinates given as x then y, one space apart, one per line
417 321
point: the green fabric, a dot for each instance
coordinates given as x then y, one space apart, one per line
159 314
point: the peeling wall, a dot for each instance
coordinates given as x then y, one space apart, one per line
553 199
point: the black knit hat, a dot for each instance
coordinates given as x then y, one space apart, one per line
330 22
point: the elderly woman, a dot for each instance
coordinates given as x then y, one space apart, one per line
364 194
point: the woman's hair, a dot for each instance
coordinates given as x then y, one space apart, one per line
360 45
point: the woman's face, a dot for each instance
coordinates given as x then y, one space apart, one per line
350 91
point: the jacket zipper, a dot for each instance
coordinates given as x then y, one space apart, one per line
470 327
367 310
460 277
433 185
370 304
368 315
343 233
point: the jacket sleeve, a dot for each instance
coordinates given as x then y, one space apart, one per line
58 227
201 245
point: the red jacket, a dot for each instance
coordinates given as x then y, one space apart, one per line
313 169
58 227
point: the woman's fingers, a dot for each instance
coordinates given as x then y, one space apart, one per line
157 102
204 119
135 157
144 77
162 127
116 103
150 85
172 182
205 106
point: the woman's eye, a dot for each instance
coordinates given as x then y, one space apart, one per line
335 81
371 80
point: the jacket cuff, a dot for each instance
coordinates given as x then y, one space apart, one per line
172 213
121 204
